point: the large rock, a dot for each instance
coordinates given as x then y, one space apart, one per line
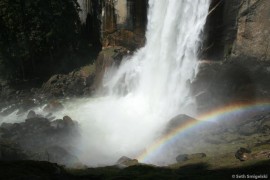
242 154
39 139
126 162
178 121
76 83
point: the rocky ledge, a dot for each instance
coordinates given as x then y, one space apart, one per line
38 138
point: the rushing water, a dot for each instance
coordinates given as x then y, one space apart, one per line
147 89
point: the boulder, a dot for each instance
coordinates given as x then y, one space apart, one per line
31 114
179 120
181 158
242 154
38 138
76 83
126 162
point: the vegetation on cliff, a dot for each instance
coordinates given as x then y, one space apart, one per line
38 34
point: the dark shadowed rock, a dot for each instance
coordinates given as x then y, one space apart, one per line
11 151
76 83
68 121
242 154
179 120
39 139
31 114
182 158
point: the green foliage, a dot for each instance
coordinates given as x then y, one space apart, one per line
34 32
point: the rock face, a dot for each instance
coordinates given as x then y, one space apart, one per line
90 15
241 81
76 83
237 29
39 139
253 35
108 57
124 23
114 23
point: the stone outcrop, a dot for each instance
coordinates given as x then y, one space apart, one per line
38 138
76 83
124 23
253 34
220 83
237 29
114 23
108 57
126 162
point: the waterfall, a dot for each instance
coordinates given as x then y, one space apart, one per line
147 89
162 70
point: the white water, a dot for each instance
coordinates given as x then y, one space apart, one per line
147 89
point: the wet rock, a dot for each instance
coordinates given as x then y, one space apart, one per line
53 106
218 84
126 162
182 158
242 154
76 83
37 135
107 58
31 114
64 123
68 121
179 120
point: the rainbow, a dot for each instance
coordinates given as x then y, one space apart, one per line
218 114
